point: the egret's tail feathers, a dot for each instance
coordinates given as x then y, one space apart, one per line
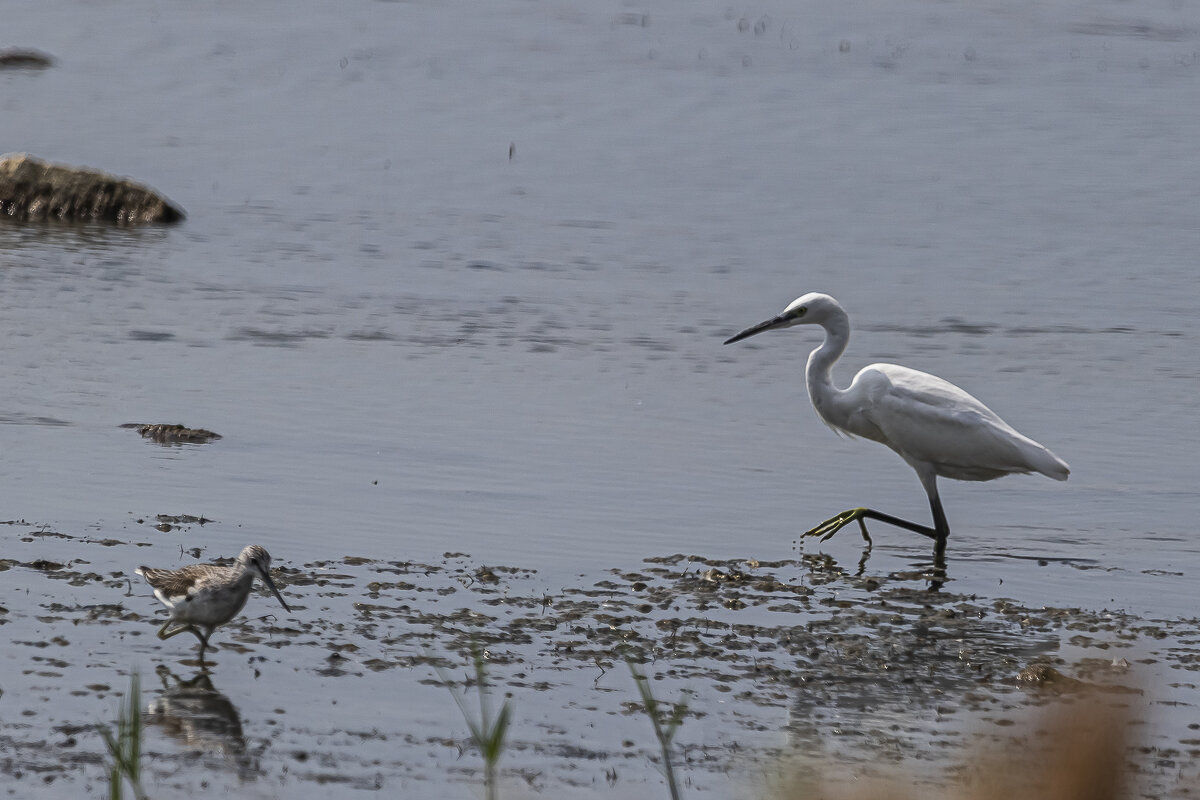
1052 466
1035 457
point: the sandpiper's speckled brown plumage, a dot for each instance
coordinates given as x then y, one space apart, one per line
201 597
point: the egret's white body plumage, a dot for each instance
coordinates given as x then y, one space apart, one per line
936 427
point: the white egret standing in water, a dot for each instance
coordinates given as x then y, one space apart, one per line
932 424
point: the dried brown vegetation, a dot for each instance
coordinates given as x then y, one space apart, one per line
1072 751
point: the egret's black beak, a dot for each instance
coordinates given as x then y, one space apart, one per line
266 576
774 322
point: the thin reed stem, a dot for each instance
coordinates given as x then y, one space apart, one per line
489 729
666 725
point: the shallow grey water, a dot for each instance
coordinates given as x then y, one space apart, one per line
455 278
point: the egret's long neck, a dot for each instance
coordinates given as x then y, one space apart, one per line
818 374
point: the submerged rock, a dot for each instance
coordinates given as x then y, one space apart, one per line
172 434
32 190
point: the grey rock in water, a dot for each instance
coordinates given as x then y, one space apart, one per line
33 190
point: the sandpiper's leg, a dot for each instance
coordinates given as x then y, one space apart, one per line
165 631
203 637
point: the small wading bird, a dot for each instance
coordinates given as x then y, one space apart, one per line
201 597
932 424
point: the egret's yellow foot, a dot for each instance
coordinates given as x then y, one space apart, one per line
834 524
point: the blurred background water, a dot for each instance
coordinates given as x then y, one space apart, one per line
455 277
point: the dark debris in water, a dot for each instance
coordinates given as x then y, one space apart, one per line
166 523
24 58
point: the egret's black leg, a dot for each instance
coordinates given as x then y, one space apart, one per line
834 524
941 527
940 532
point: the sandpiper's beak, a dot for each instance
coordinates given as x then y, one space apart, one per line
774 322
266 576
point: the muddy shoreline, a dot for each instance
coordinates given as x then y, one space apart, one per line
793 656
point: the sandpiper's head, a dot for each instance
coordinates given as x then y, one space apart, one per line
256 558
813 308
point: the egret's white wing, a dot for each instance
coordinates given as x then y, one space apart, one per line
929 420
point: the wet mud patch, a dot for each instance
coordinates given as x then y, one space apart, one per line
876 668
775 657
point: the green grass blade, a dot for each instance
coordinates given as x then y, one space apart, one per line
664 733
487 731
125 746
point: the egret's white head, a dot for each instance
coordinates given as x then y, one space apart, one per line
813 308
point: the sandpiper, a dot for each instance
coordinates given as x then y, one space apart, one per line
201 597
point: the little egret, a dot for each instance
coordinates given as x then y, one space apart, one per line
932 424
